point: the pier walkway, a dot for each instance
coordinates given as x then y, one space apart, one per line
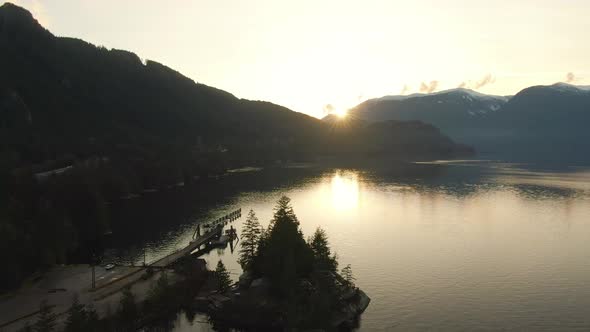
206 238
215 231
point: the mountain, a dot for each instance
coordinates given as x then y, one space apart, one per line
540 123
76 93
456 112
553 110
414 140
70 97
544 123
83 126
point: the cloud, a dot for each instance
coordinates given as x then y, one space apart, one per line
328 108
462 85
488 79
570 77
404 90
428 87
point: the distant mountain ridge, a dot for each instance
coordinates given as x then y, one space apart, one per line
463 91
78 95
64 96
527 126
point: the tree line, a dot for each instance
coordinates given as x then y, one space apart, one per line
303 274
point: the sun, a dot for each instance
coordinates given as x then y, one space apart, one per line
341 113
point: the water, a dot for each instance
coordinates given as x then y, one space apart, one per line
464 245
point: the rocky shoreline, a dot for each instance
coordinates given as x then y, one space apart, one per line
249 305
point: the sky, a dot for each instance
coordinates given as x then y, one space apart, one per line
319 56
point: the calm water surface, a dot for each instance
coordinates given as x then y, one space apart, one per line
464 245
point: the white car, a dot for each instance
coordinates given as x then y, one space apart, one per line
109 267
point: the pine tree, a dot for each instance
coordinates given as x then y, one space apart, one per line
127 309
46 320
258 261
283 212
223 279
251 234
77 317
161 297
93 323
284 256
347 275
160 290
324 260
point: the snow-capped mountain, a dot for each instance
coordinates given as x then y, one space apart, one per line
553 116
466 93
453 111
471 102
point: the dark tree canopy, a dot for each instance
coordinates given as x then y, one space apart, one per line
81 318
250 238
323 258
286 256
303 275
223 278
127 314
46 320
347 275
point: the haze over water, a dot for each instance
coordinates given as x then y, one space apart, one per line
465 246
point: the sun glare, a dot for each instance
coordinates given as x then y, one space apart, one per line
341 113
345 191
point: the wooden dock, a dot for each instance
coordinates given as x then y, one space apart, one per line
196 243
213 234
124 279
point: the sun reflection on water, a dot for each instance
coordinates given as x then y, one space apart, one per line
345 191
